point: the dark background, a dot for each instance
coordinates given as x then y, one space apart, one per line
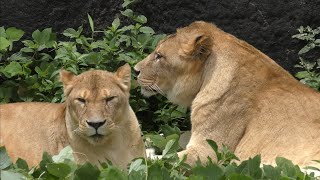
266 24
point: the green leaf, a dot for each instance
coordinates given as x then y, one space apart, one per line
214 146
91 23
211 171
137 165
27 50
271 172
306 48
127 13
146 30
157 39
194 177
115 24
60 170
4 158
70 32
168 130
156 171
127 3
14 34
2 32
46 159
44 39
251 167
286 166
64 154
141 19
302 74
22 164
29 43
113 173
171 147
9 175
37 36
4 43
87 171
239 177
13 69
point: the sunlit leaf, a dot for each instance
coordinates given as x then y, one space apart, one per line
91 23
4 158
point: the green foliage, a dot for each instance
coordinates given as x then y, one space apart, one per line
169 167
311 68
31 72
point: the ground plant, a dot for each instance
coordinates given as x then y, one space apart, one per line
30 71
62 166
310 73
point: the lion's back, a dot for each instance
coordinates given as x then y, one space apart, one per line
28 129
286 123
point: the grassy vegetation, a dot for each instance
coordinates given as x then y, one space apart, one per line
62 166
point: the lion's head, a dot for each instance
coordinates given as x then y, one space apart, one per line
176 64
95 101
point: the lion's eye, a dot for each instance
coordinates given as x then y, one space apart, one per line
81 100
157 56
108 99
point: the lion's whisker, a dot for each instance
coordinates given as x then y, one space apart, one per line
157 88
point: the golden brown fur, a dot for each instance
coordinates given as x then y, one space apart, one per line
28 129
238 96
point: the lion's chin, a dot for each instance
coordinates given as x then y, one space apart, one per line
147 93
97 139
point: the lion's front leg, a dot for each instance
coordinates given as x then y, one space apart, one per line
200 152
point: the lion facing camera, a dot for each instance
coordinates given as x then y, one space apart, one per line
238 96
96 120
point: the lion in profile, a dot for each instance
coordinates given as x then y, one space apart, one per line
96 120
238 96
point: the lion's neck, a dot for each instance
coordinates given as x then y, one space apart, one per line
221 102
182 95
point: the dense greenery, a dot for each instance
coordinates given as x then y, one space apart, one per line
30 73
62 166
310 74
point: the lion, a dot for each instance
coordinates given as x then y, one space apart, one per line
238 96
96 120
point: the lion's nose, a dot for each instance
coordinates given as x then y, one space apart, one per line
96 125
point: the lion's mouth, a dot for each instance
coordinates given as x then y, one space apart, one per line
97 135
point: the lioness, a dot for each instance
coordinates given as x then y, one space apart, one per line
238 96
96 120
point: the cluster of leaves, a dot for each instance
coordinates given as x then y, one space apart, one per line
311 68
62 166
30 73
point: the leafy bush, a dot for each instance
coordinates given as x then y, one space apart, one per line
30 73
311 68
62 166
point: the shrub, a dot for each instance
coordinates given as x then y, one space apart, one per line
62 166
310 74
30 73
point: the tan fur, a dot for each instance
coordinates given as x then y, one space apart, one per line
28 129
238 96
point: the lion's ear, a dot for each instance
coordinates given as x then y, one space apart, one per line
124 73
197 46
66 78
